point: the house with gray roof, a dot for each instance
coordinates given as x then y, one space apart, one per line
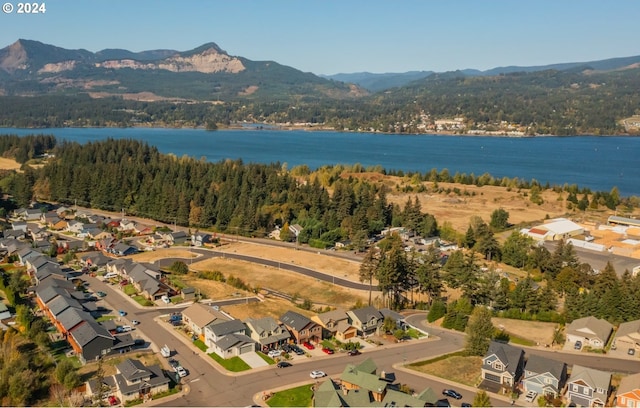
502 367
233 345
626 343
213 332
197 316
95 259
590 331
368 320
60 303
302 329
122 249
588 387
544 376
147 281
134 380
71 318
90 340
268 333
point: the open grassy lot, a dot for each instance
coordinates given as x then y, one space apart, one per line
536 332
455 367
293 397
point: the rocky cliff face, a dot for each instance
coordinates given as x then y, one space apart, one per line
208 62
13 57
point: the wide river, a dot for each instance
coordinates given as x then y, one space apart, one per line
599 163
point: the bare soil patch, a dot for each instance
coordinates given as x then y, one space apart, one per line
538 332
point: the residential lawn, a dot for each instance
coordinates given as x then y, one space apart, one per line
234 364
414 334
455 367
129 290
266 358
143 301
104 318
293 397
176 299
328 344
172 390
200 344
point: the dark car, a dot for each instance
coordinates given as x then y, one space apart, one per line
443 403
578 345
451 393
283 364
297 350
354 352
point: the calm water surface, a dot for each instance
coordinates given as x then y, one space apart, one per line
599 163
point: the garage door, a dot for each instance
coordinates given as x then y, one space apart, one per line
247 348
492 377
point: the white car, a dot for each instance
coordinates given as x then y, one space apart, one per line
181 371
531 395
317 374
274 353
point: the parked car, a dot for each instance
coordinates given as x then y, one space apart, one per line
101 294
354 352
297 350
451 393
631 351
286 348
578 345
317 374
530 396
113 400
327 350
181 371
174 364
443 403
283 364
122 313
135 322
274 353
308 345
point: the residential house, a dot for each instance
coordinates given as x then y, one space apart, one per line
74 226
134 380
188 293
106 243
59 225
544 376
502 367
127 226
590 331
28 214
362 377
122 249
90 340
368 320
200 239
215 331
197 316
96 259
36 233
63 211
336 324
75 245
399 319
302 329
147 281
628 392
19 226
295 229
627 339
176 238
588 387
232 345
16 234
268 333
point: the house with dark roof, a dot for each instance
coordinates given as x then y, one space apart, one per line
95 259
71 318
233 345
122 249
215 331
301 327
368 320
268 333
502 367
200 239
588 387
147 282
90 340
544 376
590 331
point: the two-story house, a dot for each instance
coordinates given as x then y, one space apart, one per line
336 324
228 339
268 333
628 393
134 380
302 329
367 320
588 387
544 376
502 367
197 316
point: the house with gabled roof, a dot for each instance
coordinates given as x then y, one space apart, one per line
502 367
336 324
69 319
588 387
301 327
544 376
215 331
267 332
90 340
232 345
200 239
628 392
146 281
361 377
197 316
133 380
590 331
627 340
368 320
95 259
122 249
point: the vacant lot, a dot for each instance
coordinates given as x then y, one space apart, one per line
460 369
537 332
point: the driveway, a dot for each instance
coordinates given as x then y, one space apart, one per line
253 359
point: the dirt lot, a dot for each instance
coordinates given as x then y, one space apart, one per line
538 332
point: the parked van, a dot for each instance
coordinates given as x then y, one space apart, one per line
126 328
110 275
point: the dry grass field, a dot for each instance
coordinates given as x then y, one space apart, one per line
8 164
538 332
460 369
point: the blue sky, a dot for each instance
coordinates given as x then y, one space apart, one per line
337 36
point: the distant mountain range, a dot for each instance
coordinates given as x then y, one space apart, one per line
208 73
